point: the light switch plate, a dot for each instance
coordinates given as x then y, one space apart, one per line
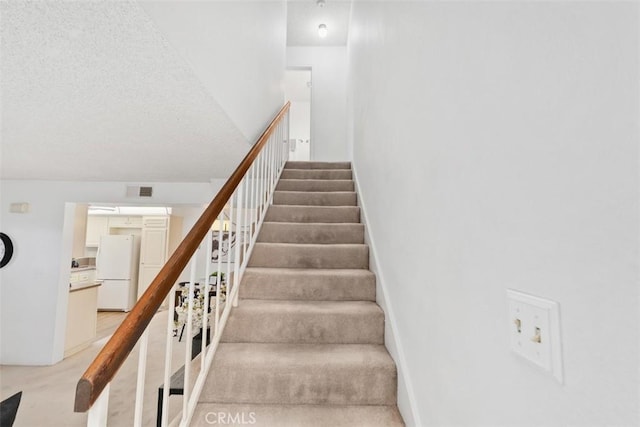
534 331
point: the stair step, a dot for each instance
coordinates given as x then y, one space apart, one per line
293 255
333 198
332 214
319 233
317 165
292 374
308 284
305 322
296 415
316 174
315 185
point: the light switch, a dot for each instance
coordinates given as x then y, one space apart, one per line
20 208
534 331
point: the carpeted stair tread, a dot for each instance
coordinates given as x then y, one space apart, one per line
294 255
317 165
319 233
316 174
297 415
320 198
308 284
306 322
334 374
313 185
332 214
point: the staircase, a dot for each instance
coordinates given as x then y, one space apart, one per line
305 346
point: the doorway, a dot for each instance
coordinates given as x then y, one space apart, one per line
297 89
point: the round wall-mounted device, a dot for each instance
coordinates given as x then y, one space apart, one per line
6 249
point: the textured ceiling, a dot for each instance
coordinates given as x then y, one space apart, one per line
304 17
92 91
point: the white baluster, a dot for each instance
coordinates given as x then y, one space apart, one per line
274 162
279 146
263 180
289 132
252 197
272 143
100 410
240 218
236 272
168 357
245 222
206 289
266 180
219 270
142 369
227 302
189 343
258 185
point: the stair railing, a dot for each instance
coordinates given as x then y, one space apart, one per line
235 214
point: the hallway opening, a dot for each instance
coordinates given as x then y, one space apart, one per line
298 91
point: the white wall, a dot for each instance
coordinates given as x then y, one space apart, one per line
237 50
496 146
34 285
328 99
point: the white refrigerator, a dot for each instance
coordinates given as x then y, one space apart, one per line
117 268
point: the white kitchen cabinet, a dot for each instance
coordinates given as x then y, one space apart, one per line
82 310
82 319
97 226
153 255
155 222
83 277
79 231
125 222
159 236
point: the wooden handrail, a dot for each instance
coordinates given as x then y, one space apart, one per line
114 353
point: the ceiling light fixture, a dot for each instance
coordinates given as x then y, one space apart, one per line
321 3
322 30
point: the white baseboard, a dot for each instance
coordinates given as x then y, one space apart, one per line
406 397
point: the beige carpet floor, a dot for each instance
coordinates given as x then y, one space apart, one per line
48 391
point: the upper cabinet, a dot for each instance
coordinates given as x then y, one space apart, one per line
79 231
101 225
96 226
125 222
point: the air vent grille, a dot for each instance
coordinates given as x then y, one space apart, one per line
135 191
146 191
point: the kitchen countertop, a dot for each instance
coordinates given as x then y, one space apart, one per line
82 286
85 268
